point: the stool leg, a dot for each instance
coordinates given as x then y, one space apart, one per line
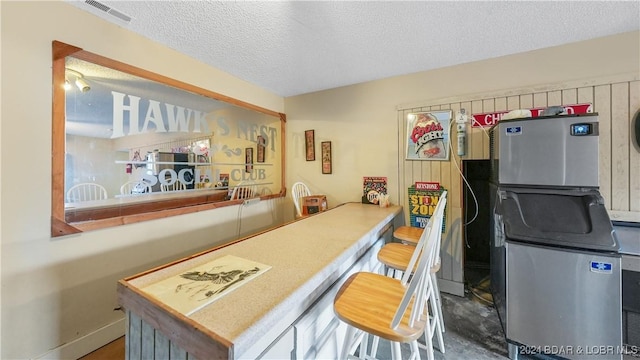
436 320
434 280
350 341
364 346
415 350
374 347
396 352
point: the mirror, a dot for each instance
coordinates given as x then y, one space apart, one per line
130 145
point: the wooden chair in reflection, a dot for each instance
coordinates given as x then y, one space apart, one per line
86 192
176 186
298 191
245 190
135 188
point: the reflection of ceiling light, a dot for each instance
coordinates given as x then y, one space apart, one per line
67 84
82 85
80 82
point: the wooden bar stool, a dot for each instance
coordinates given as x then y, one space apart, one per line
396 256
393 309
408 234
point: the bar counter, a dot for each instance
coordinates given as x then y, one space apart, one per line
308 258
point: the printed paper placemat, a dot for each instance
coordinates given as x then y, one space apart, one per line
198 287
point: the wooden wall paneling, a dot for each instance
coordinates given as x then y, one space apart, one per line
452 264
620 147
569 96
133 341
500 104
554 98
177 353
402 163
162 348
456 245
602 105
413 169
452 176
487 106
526 101
425 165
474 137
451 180
445 258
435 171
148 338
513 103
584 95
540 99
634 153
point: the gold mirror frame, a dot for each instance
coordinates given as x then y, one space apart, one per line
132 213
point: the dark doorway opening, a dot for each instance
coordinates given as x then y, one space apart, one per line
476 232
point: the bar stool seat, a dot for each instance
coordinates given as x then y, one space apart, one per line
408 234
396 256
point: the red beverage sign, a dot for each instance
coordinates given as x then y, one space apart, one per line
490 119
427 185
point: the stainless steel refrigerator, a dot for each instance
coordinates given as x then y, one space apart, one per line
555 266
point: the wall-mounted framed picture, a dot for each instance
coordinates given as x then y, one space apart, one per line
326 157
248 153
260 149
310 144
428 135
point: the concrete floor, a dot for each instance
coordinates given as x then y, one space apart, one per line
472 332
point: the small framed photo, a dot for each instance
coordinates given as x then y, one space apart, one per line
260 149
310 144
326 157
248 166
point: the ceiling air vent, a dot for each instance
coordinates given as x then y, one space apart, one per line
109 10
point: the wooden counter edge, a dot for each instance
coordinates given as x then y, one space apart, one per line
178 328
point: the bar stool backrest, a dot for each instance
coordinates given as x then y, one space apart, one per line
425 254
438 215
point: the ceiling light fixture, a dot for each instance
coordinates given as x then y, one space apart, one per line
80 82
67 84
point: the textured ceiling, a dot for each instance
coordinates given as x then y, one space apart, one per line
296 47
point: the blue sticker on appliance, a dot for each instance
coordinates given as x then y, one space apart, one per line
601 267
514 130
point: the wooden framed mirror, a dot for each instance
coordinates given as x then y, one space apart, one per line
130 145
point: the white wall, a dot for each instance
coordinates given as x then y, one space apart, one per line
58 295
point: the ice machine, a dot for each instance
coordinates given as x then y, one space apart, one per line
555 266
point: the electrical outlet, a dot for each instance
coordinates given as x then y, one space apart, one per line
251 201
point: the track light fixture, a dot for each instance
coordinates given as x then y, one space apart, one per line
67 84
80 82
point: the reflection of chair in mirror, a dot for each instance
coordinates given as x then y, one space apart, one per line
298 191
176 186
135 188
86 192
244 190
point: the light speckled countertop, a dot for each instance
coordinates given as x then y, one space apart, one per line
306 256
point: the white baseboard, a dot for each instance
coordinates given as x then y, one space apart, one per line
88 343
